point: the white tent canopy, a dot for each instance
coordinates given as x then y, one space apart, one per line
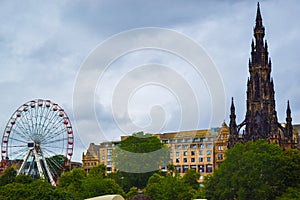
107 197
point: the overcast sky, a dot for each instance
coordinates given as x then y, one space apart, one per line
44 45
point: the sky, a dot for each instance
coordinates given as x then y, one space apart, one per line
47 48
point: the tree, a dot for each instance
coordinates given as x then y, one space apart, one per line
25 179
138 157
71 182
256 170
132 192
290 194
97 186
8 176
168 187
99 170
191 178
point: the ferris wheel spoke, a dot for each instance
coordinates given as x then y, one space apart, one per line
24 134
29 121
17 152
50 152
52 147
53 163
26 123
15 146
21 127
53 117
54 126
54 134
11 138
55 141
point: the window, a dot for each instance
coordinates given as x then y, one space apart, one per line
200 159
208 159
188 140
201 152
103 157
201 146
178 169
196 140
209 145
192 153
185 168
109 151
179 140
178 147
192 159
108 157
186 146
194 146
208 152
177 160
220 148
177 154
194 167
171 154
165 141
220 156
171 147
185 160
209 168
200 168
185 153
103 151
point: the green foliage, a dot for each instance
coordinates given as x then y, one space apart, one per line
95 186
290 169
290 194
139 154
37 189
254 171
191 178
169 187
98 171
8 176
74 184
22 178
132 192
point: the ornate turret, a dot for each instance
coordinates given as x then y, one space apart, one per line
289 126
232 126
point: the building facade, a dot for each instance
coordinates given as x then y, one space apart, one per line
100 154
188 150
261 120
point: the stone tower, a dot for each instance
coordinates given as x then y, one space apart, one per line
261 116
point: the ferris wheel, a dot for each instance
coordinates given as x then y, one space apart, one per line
38 140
